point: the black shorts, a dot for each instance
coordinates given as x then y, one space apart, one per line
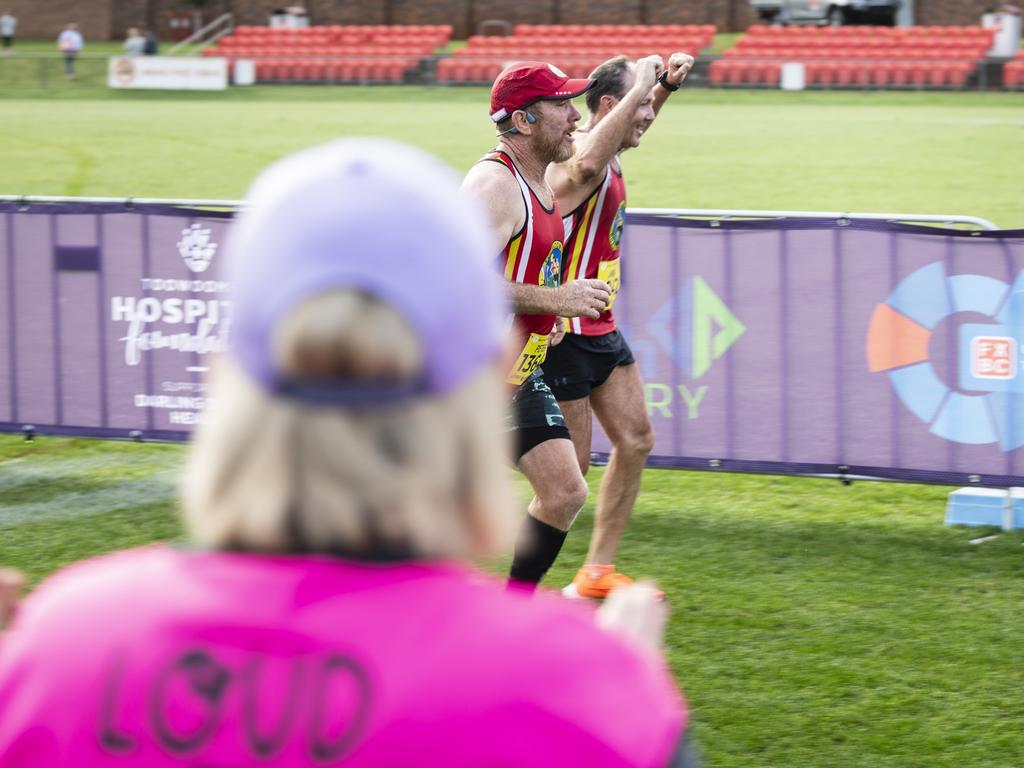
580 364
535 417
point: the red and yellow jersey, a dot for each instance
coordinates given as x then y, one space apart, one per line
593 235
532 256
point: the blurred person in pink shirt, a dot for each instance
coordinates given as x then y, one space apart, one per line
325 612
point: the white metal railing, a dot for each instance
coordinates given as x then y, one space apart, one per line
211 33
192 203
912 218
948 220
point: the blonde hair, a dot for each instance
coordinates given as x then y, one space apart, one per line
424 478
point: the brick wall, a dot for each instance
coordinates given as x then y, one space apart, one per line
129 13
466 15
47 19
477 11
108 19
437 12
320 11
948 12
726 15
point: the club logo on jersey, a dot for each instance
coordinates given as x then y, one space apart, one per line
551 269
618 222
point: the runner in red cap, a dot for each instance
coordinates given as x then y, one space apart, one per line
531 105
592 371
522 84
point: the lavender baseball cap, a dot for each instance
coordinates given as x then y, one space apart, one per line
379 217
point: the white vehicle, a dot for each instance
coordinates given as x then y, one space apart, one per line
833 12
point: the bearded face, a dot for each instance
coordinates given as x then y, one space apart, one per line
552 139
555 149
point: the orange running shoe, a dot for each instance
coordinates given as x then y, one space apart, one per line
595 582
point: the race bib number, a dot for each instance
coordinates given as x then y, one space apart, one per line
609 272
533 354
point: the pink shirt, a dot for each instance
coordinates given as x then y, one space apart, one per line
156 657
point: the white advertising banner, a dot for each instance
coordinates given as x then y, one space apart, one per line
168 72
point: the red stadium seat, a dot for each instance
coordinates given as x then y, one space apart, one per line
735 72
346 70
317 71
919 73
938 74
772 73
460 72
820 72
1013 74
960 72
716 73
900 73
880 73
280 71
844 73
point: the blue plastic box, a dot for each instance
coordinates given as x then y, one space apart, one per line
984 506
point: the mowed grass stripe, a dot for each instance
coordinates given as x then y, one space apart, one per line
39 547
917 153
47 479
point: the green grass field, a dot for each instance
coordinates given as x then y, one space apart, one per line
908 153
813 624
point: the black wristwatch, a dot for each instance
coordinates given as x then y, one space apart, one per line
664 83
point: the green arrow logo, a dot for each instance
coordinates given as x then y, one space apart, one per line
715 328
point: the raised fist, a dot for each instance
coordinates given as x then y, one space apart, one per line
678 65
648 70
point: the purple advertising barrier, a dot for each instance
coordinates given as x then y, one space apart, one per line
109 314
828 347
788 345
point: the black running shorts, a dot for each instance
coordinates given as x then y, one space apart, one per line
580 364
535 417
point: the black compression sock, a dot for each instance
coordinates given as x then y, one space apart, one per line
537 546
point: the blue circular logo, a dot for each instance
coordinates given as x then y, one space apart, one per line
985 403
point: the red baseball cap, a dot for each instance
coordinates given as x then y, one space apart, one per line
528 81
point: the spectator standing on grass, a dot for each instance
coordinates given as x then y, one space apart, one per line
592 372
151 46
70 44
327 612
531 106
8 23
134 43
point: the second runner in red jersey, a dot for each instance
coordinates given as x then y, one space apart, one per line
592 249
592 372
